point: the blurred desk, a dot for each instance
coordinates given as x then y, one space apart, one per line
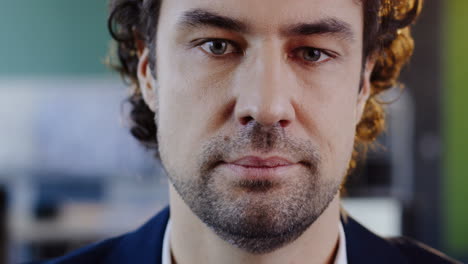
380 215
59 226
79 222
3 221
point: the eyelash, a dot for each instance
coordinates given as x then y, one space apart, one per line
228 42
323 52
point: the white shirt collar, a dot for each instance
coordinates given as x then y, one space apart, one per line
341 256
166 250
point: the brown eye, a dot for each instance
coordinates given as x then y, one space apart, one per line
216 47
312 54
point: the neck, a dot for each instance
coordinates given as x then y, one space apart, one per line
193 242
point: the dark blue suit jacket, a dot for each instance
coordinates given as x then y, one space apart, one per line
144 246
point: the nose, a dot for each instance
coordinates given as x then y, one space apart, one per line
265 91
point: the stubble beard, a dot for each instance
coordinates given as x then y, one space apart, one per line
256 216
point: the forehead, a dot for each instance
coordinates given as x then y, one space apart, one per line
269 15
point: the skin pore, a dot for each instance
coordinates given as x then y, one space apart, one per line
263 78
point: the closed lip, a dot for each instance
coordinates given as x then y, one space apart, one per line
259 162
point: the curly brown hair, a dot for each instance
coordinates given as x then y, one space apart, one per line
387 39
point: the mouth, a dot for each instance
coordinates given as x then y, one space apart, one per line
258 162
257 168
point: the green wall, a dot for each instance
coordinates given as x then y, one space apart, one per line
456 127
53 37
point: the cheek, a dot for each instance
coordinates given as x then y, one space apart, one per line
334 131
328 114
188 115
177 123
192 103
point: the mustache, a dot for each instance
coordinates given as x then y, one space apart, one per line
257 138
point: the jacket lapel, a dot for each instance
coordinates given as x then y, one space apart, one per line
143 246
364 247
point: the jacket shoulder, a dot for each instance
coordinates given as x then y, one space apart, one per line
364 246
417 252
143 245
94 253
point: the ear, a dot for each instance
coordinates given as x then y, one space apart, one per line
146 80
365 88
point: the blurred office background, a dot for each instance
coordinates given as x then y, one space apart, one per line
70 172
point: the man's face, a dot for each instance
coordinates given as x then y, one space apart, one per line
257 104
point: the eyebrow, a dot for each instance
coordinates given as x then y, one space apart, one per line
325 26
199 17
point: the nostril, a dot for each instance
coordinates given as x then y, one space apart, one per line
245 120
284 123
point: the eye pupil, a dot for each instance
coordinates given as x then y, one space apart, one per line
218 47
312 54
